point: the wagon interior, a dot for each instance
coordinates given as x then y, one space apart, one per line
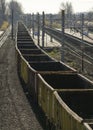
25 42
24 37
49 66
31 51
27 46
67 81
80 102
22 33
38 58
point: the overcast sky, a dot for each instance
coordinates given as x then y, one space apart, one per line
53 6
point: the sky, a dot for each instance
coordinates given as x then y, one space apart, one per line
53 6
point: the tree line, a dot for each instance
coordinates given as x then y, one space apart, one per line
6 10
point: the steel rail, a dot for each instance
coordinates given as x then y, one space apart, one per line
57 34
76 48
5 35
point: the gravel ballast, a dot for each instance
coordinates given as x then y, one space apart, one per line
16 112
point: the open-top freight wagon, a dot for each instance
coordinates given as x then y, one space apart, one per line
65 97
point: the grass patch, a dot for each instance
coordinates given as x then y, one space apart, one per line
55 53
4 26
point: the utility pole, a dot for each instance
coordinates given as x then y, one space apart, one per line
43 30
38 22
12 19
82 42
51 21
62 39
33 25
30 23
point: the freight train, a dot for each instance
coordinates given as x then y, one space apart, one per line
65 97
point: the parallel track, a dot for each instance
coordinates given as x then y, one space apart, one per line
73 44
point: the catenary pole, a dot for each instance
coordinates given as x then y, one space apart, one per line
43 30
12 20
62 39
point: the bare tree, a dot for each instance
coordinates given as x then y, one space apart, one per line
68 12
16 8
90 15
3 5
2 10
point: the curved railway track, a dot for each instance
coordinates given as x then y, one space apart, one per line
64 96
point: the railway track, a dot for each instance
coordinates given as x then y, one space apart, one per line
63 95
57 34
5 35
73 44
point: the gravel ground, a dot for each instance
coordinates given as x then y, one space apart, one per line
16 112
